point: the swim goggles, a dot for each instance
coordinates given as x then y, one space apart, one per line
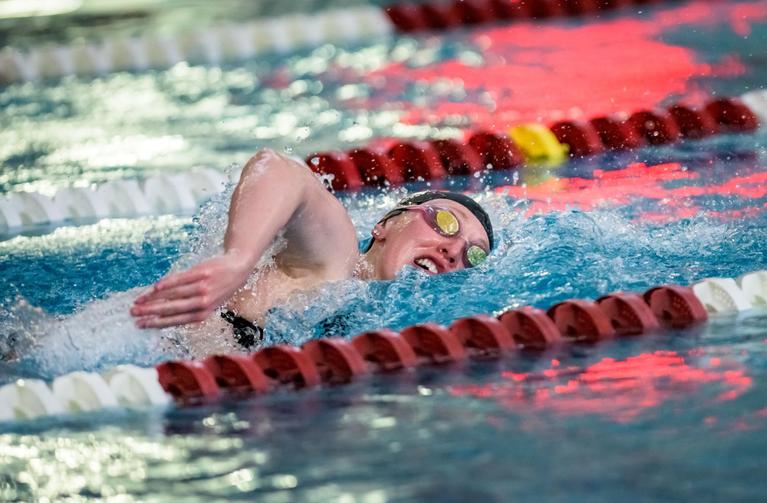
445 223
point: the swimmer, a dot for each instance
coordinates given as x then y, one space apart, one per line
436 232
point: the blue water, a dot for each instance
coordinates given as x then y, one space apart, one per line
672 416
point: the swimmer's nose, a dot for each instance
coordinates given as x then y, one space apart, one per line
451 252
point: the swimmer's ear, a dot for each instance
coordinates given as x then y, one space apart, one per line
383 227
379 231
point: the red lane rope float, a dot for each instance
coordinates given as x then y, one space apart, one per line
406 18
385 349
409 160
579 7
581 320
628 313
477 11
496 150
543 9
531 328
409 17
693 123
656 127
187 381
417 160
515 9
675 306
616 134
732 115
237 373
375 166
346 175
434 343
458 158
285 364
582 137
336 359
483 335
439 16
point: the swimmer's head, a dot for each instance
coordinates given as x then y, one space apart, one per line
433 231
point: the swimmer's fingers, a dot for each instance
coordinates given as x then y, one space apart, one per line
197 289
171 321
192 295
200 272
169 283
165 307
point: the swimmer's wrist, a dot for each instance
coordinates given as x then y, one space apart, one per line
239 261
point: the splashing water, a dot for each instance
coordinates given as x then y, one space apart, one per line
541 258
99 335
681 412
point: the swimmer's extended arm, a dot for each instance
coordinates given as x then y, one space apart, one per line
274 194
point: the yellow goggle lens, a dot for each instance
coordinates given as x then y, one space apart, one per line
447 223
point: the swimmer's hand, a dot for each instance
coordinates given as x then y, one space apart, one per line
191 296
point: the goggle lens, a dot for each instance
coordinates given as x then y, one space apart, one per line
447 223
475 255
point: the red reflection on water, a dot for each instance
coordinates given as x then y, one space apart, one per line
619 187
619 389
547 72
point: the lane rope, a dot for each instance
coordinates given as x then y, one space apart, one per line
284 34
334 361
412 17
212 45
398 161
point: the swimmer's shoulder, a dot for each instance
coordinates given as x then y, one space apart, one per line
322 223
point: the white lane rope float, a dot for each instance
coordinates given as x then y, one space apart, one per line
211 45
121 386
165 193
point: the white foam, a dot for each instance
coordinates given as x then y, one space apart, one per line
99 335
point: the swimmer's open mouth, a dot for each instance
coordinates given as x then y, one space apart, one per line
427 265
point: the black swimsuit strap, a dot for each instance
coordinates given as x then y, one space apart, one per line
248 334
245 332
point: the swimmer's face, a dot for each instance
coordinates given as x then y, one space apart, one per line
409 239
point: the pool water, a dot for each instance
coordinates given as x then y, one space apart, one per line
668 416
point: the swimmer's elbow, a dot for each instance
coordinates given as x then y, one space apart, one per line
271 172
260 162
267 160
